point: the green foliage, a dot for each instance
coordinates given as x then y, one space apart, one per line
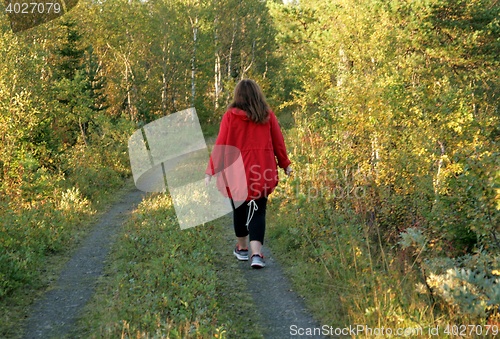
471 289
393 109
74 89
54 169
400 101
468 284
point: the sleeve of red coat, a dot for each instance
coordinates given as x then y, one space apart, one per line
278 143
215 157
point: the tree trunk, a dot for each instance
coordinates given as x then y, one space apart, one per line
246 69
83 131
343 67
217 69
194 25
230 57
375 157
217 81
437 181
164 89
129 99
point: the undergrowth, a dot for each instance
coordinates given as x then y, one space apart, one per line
45 211
353 271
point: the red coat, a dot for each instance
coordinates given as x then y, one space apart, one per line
262 149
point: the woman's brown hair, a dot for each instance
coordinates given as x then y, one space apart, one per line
249 97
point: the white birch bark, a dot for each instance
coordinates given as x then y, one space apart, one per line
194 25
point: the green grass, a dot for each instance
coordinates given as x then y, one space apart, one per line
162 281
340 274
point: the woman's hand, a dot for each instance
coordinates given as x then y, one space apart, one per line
207 179
288 170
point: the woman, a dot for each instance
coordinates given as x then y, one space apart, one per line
251 127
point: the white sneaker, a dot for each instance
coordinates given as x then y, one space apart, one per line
258 261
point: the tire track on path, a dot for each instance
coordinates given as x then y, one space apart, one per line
55 314
278 305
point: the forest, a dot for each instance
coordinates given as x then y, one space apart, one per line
390 111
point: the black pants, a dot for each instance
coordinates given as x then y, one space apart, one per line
257 225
